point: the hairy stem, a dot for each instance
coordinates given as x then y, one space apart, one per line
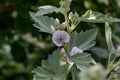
108 64
113 67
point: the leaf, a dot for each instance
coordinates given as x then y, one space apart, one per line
47 9
83 40
44 23
108 34
75 72
100 52
83 61
92 16
51 69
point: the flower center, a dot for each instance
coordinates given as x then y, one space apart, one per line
60 40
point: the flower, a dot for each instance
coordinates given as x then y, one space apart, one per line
75 50
59 37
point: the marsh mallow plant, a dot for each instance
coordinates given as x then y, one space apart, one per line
73 58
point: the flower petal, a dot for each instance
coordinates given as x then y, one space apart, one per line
75 50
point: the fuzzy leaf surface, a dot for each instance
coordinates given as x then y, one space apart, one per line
108 34
52 69
83 40
83 60
43 23
92 16
47 9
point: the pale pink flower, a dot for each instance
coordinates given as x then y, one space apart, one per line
75 50
60 37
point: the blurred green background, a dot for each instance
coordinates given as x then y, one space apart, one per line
22 46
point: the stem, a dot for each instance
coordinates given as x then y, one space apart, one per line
109 60
67 23
113 67
66 70
113 60
68 30
74 25
68 66
67 45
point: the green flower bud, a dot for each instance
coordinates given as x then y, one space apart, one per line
65 6
57 24
63 25
57 21
70 16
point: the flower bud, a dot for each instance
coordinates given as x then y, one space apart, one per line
57 21
63 55
118 49
65 5
57 24
68 1
118 52
62 50
70 15
63 25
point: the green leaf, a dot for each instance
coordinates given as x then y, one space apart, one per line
83 40
83 61
47 9
52 69
92 16
75 72
44 23
108 34
100 52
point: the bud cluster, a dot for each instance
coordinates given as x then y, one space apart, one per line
74 20
60 26
65 5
